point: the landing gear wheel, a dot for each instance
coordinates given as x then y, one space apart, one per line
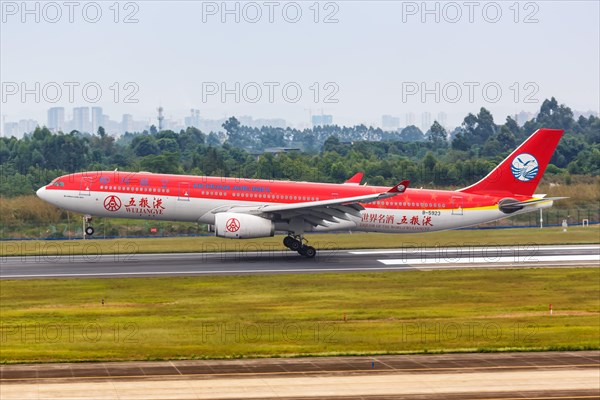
295 245
309 252
89 231
287 241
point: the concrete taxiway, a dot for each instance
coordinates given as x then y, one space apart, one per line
543 375
278 261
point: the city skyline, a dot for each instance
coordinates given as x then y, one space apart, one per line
89 119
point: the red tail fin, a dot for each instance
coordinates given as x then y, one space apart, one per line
522 170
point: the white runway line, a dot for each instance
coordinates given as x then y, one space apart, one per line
458 249
492 260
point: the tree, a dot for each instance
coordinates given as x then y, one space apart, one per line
461 142
145 146
505 138
551 115
429 163
165 163
477 129
411 134
437 135
331 144
231 126
213 139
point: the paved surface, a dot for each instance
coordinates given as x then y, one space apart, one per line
267 262
547 375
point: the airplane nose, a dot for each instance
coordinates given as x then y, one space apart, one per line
41 193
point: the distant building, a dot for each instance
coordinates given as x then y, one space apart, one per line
585 114
193 119
211 125
273 122
322 120
442 118
173 125
111 127
160 118
56 119
390 122
523 117
81 119
425 121
28 125
410 119
275 151
247 120
127 123
11 129
97 119
279 150
18 129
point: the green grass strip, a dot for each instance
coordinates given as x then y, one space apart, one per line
291 315
495 237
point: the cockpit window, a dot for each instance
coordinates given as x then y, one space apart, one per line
58 183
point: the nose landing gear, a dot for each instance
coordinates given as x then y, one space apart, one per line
87 227
295 243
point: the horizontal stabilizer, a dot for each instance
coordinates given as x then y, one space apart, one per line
511 205
400 188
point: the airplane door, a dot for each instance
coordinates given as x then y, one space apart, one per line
184 191
85 186
457 205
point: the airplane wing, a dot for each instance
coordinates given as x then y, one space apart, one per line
355 180
323 212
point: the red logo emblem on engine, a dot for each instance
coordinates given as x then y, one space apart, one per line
232 225
112 203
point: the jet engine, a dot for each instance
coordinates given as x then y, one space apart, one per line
242 226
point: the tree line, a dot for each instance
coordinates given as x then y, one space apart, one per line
324 153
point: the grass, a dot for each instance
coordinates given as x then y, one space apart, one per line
581 193
532 236
289 315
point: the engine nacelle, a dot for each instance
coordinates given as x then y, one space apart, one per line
242 226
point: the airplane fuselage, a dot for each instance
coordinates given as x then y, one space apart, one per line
199 198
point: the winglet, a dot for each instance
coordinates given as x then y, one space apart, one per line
400 188
355 180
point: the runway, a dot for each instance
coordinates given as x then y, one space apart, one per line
543 375
279 261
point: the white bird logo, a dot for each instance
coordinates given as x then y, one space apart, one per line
524 167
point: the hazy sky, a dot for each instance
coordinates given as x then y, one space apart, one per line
372 58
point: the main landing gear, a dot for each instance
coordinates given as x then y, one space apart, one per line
295 243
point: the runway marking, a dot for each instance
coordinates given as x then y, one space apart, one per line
518 250
523 248
243 271
492 260
499 367
270 271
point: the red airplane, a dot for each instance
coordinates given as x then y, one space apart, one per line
246 208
